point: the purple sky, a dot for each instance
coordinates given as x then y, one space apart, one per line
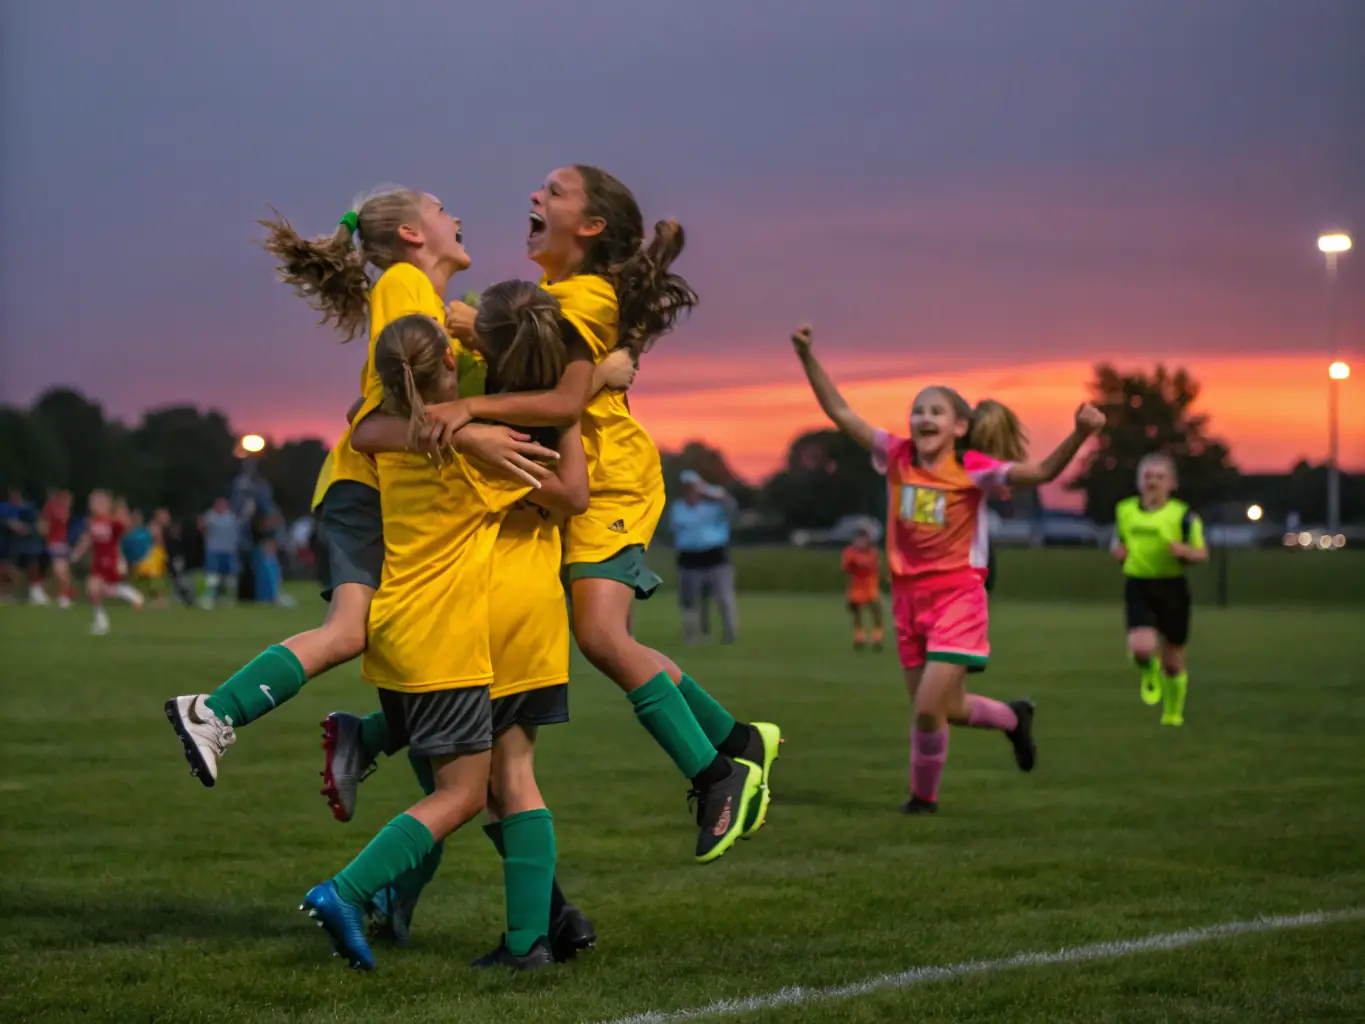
975 182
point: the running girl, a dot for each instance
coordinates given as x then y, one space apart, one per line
587 235
103 532
429 653
1155 537
937 545
417 247
862 563
55 524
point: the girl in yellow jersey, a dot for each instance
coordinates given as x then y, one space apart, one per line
417 247
587 235
527 346
429 653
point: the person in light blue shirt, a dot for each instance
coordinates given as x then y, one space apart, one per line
701 537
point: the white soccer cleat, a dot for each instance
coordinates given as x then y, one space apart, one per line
203 734
101 624
37 595
63 602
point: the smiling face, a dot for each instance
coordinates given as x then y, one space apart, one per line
439 234
936 423
560 228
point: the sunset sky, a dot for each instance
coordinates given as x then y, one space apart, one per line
987 193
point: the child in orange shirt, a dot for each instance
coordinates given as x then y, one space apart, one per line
862 562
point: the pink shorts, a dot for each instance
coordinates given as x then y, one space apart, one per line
942 619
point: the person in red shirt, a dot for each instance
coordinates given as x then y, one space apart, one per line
55 524
938 479
102 535
862 562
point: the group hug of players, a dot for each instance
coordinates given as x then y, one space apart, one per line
492 464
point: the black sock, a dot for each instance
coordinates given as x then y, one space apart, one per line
493 831
714 772
1143 662
737 742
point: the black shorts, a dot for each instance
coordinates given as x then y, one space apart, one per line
1163 605
350 530
439 723
546 706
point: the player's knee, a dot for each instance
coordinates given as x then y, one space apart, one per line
601 642
926 720
1172 662
1142 644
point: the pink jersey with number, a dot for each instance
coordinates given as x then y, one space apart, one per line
937 518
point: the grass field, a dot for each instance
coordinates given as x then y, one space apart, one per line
129 893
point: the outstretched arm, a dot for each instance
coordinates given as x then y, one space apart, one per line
1089 421
827 394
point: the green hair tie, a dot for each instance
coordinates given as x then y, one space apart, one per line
351 221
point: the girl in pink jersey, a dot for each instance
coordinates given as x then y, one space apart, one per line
939 479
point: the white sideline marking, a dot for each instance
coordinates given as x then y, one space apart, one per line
799 996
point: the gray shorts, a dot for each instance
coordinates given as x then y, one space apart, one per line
351 530
440 723
546 706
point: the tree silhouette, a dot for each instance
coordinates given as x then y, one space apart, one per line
1152 413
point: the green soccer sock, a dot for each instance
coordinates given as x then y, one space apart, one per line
400 847
411 883
714 720
493 830
374 737
263 684
528 872
1173 690
663 711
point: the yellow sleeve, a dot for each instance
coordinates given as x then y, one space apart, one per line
401 291
589 303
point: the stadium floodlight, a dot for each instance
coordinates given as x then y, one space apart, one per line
1334 244
1254 513
253 443
1339 371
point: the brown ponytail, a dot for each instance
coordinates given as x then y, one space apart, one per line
518 326
409 357
329 273
651 297
997 432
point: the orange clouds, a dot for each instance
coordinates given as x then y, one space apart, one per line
1272 409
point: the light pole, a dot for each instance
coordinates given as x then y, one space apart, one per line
1333 246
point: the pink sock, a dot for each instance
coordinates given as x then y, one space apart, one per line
928 751
985 713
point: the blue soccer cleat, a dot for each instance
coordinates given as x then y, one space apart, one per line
343 922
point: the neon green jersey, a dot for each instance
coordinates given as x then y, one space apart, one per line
1149 534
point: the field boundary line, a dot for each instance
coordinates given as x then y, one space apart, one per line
801 996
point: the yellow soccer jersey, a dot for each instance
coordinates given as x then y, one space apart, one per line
400 291
429 623
530 622
625 478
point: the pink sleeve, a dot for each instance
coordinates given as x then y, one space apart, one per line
990 475
886 449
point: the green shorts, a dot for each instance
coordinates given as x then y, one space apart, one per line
626 566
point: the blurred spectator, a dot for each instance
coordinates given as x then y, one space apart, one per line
701 538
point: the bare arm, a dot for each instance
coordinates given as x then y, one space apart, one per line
560 407
828 395
500 448
355 408
567 491
1089 421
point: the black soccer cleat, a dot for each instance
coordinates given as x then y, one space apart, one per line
917 806
1021 738
536 957
571 933
723 809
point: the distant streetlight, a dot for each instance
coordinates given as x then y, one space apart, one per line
253 443
1254 513
1333 245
